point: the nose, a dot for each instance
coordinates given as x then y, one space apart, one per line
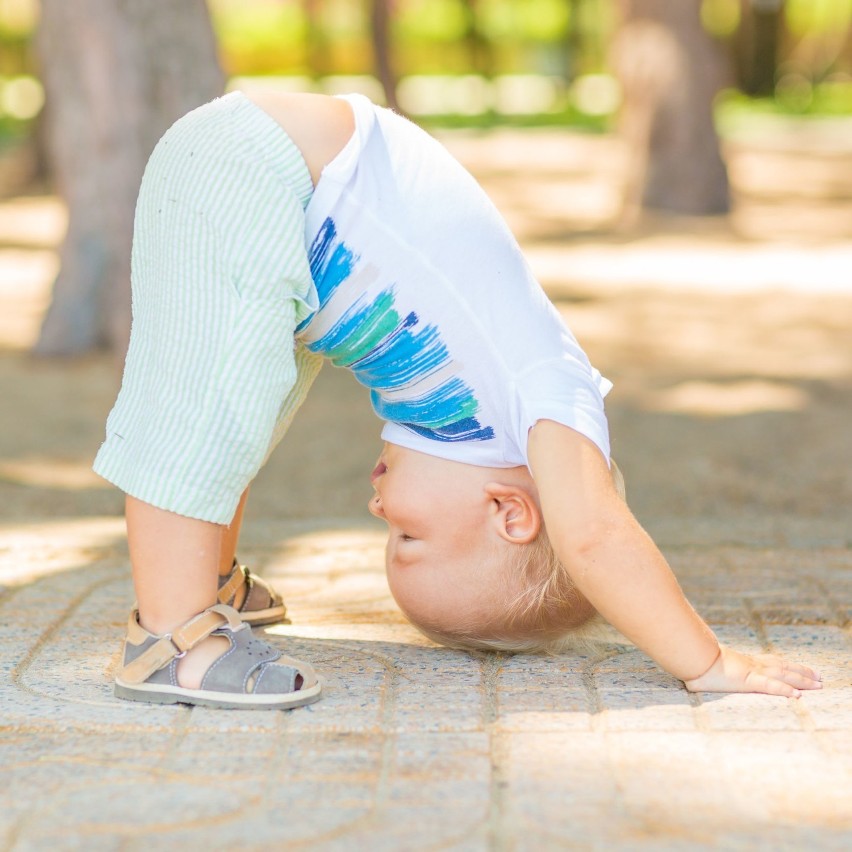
375 506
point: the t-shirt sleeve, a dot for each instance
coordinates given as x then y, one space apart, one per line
568 391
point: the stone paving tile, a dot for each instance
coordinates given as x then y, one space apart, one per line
123 802
779 586
557 708
56 663
415 747
428 697
828 711
685 788
537 770
337 791
533 720
99 842
750 712
54 771
649 711
816 644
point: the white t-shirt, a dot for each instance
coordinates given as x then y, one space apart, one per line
424 294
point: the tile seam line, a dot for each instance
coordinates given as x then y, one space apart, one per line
842 621
495 817
806 722
8 593
387 735
50 727
726 545
50 631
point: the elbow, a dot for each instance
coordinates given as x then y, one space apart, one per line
587 543
584 543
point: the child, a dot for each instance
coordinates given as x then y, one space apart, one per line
274 232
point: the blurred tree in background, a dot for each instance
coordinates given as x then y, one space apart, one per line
670 71
116 73
380 23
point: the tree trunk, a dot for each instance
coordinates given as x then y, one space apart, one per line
758 41
317 48
380 16
480 58
117 74
670 71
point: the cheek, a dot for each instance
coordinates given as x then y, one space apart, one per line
414 595
396 581
432 598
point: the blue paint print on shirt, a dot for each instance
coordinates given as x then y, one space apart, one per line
468 429
404 358
439 408
390 352
331 262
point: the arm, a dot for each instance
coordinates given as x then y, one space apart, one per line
615 564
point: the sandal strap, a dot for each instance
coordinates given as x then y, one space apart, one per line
178 642
233 584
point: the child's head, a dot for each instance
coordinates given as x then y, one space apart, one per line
468 558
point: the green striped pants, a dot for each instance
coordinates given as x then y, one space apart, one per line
220 280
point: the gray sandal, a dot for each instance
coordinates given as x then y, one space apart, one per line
252 674
261 604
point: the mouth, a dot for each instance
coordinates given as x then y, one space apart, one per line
379 469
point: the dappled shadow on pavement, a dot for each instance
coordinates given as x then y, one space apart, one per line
730 418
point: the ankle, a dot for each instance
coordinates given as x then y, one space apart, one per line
226 566
160 623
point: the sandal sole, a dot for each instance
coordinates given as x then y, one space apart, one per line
222 700
272 615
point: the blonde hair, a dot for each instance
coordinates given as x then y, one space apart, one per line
547 616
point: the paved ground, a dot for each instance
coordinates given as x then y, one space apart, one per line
731 420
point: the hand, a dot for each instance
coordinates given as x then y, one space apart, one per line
766 673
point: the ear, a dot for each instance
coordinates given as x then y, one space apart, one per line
515 512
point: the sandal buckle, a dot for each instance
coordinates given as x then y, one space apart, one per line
180 654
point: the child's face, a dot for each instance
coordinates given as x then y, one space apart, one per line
444 556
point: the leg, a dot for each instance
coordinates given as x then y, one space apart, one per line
230 537
175 562
228 548
171 439
255 599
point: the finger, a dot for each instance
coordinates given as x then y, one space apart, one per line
772 662
795 674
770 686
807 671
798 680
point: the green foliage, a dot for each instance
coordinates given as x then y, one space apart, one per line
260 37
17 19
12 130
496 20
807 17
533 20
721 17
429 36
826 100
547 37
431 21
568 116
832 99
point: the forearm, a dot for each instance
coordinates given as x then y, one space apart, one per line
610 558
614 563
626 578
